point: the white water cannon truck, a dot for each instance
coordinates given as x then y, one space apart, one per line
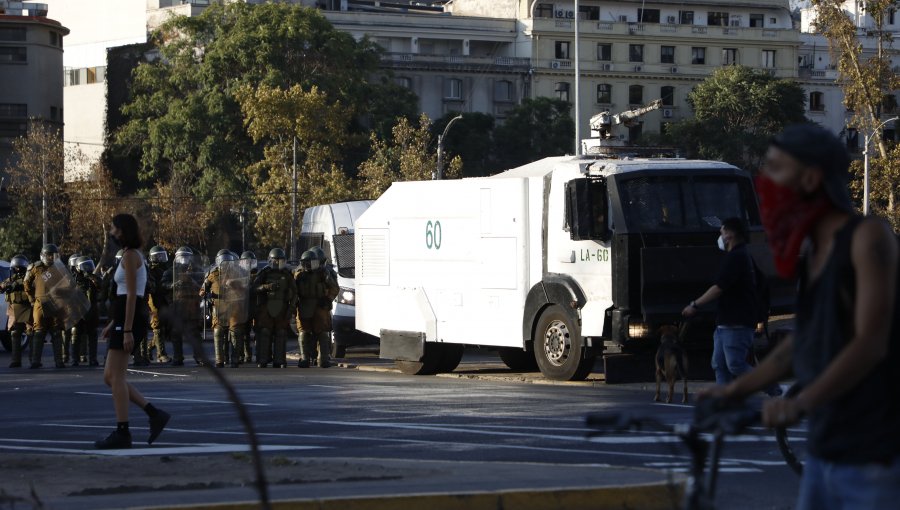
552 264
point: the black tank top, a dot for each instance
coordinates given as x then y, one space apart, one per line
864 424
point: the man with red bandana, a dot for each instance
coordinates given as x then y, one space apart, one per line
846 345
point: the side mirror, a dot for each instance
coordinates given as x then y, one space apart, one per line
587 210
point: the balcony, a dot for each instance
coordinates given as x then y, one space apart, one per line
548 26
806 73
456 62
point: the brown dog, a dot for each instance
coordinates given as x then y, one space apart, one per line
671 362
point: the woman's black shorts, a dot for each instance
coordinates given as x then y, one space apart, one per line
138 326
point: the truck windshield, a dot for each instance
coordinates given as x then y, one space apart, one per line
667 203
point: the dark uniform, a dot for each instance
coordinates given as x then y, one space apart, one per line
158 301
249 258
316 289
69 334
274 294
184 281
19 311
210 291
84 334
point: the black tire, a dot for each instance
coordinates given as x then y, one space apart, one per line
427 366
790 456
558 347
450 356
520 360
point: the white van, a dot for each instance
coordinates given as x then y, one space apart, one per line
331 226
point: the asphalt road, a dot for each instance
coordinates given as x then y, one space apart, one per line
482 412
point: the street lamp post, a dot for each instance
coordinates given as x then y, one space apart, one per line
440 148
866 164
293 248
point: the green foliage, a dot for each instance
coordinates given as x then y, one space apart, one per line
736 111
471 138
18 232
538 128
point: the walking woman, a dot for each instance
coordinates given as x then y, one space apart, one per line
129 321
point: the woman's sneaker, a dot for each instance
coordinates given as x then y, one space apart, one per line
117 440
157 424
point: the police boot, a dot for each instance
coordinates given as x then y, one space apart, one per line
280 349
219 346
263 348
236 337
16 338
248 346
56 340
159 342
37 349
92 348
144 351
77 340
324 349
177 352
67 336
303 341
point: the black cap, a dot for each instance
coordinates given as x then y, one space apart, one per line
814 145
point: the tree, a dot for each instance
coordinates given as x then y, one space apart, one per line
866 78
537 128
93 204
471 137
408 156
736 111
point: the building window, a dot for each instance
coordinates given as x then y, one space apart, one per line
667 54
816 102
91 75
717 19
635 94
635 52
648 16
698 56
19 110
543 11
404 82
768 59
503 91
53 113
889 104
13 128
588 13
12 34
604 93
756 21
891 15
562 91
53 37
852 139
686 17
604 52
729 56
453 89
13 54
562 50
668 95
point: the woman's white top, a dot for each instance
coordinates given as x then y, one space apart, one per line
119 278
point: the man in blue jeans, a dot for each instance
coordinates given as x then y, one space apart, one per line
736 315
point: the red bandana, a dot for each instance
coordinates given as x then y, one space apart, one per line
787 219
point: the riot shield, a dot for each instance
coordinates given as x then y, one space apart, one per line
233 303
187 277
63 300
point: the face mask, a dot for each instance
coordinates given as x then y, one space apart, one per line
721 243
787 218
313 265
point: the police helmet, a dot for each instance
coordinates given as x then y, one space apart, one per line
73 260
320 254
249 259
18 263
85 264
309 261
184 256
225 256
158 255
277 258
49 254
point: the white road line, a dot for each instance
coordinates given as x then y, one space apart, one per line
325 386
722 470
673 405
174 399
157 373
171 450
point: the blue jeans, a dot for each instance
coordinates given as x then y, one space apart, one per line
731 346
836 486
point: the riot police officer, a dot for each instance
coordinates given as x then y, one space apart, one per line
45 320
212 290
316 289
275 295
84 333
68 338
248 260
19 307
184 280
158 301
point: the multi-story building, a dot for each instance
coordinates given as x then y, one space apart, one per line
31 55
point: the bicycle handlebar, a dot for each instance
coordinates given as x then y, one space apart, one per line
710 416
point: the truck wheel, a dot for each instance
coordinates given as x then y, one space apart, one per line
338 351
428 365
450 356
558 347
520 360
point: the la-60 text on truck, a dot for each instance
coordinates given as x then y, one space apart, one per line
554 263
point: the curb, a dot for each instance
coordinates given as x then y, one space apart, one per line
654 496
